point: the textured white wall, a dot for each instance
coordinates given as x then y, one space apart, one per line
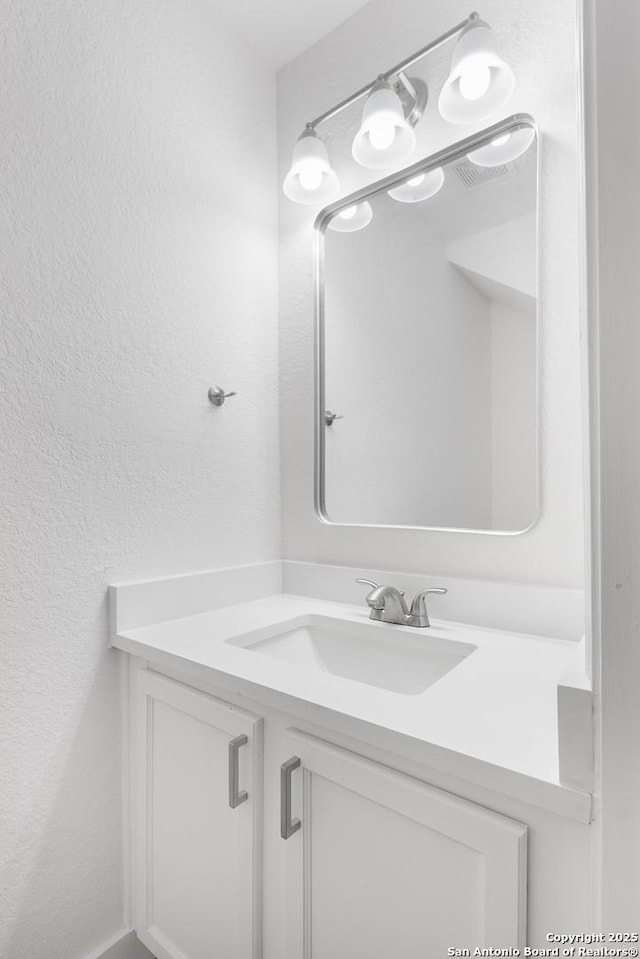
505 254
513 415
138 242
539 40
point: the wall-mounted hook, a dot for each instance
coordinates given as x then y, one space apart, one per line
330 417
217 395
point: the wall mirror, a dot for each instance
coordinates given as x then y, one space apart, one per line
426 342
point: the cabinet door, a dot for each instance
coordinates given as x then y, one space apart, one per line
197 810
385 866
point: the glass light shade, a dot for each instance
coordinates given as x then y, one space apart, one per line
479 82
419 187
504 148
385 137
352 218
311 178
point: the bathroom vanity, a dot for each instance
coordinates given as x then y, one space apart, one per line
306 782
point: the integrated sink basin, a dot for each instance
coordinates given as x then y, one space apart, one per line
399 659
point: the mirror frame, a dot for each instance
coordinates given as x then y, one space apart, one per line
447 155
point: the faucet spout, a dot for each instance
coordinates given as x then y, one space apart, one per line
376 597
388 604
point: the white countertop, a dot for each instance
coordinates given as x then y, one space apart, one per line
493 718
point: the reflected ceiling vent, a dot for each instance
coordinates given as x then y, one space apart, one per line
474 176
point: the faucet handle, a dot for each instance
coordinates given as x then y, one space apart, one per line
418 612
367 582
370 582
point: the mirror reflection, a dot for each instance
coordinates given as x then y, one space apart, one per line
427 325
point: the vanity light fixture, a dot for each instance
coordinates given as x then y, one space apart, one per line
479 84
353 218
419 187
504 148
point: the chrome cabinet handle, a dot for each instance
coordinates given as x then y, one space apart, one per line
287 825
236 798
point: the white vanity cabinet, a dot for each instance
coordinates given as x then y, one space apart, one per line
360 860
196 823
384 865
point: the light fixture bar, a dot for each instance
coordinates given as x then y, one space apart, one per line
393 72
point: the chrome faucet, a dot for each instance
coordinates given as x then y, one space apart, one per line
388 605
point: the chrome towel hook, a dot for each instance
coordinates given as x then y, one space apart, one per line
330 417
217 395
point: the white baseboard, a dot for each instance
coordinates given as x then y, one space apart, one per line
124 945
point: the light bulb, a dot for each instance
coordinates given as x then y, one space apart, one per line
310 176
422 186
475 80
504 148
480 82
352 218
381 133
385 136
